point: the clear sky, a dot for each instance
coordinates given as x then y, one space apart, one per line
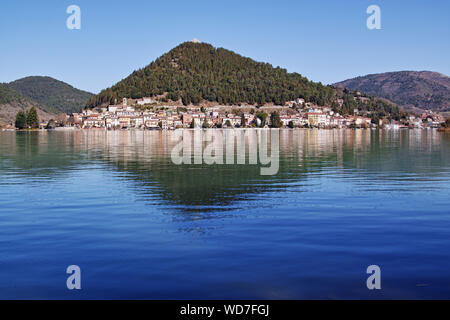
324 40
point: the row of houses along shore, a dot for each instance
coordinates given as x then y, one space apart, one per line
167 117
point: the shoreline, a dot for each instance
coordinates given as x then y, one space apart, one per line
68 129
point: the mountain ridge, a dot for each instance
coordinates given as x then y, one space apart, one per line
11 102
413 90
48 95
54 96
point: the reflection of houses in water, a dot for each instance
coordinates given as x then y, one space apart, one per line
145 157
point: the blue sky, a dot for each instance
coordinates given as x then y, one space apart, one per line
324 40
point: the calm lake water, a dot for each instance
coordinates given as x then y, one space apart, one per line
141 227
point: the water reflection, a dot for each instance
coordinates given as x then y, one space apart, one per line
142 227
370 156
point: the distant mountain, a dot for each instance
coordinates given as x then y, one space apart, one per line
12 102
52 95
415 91
195 72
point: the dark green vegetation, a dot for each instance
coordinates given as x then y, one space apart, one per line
27 119
262 116
11 102
52 95
51 124
196 72
21 120
47 95
32 118
377 108
8 95
275 120
415 91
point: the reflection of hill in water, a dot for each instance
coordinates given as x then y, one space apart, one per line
39 154
145 157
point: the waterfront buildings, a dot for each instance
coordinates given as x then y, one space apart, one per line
140 115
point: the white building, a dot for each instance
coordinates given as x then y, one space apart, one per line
144 101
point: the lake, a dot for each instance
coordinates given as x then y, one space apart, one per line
141 227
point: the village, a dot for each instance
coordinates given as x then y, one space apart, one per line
143 114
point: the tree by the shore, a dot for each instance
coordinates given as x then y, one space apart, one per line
262 116
21 120
51 124
32 118
291 124
276 120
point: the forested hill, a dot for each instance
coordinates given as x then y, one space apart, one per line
12 102
53 96
196 72
8 95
